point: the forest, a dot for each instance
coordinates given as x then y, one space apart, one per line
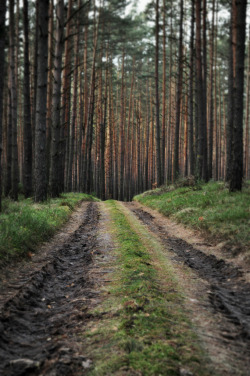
124 188
99 99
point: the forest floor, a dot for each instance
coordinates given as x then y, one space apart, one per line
123 290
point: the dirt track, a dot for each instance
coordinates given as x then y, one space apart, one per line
46 310
38 325
229 293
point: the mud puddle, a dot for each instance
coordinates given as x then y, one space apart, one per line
229 294
39 325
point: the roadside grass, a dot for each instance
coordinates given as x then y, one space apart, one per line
25 224
211 208
141 327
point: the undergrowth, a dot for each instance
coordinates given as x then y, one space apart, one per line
142 328
211 208
25 224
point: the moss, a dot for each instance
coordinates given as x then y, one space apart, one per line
143 329
212 209
25 224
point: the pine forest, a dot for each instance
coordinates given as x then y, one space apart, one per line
100 97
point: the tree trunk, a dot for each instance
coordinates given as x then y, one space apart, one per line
103 134
66 100
91 107
211 99
204 87
122 141
13 103
27 168
40 126
74 107
178 99
7 187
157 102
50 85
2 45
190 101
238 89
200 93
231 79
247 114
163 141
56 103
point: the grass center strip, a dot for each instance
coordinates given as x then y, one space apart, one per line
141 327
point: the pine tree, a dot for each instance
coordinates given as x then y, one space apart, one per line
27 168
2 46
56 102
40 119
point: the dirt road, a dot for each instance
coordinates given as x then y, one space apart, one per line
44 306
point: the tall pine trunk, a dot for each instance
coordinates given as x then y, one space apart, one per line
211 99
40 124
66 96
191 100
13 103
27 168
200 92
122 138
238 89
204 87
247 113
157 101
176 169
56 103
2 45
163 141
74 108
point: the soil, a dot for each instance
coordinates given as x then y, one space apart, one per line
225 289
45 303
40 321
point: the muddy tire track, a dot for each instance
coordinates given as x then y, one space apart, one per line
39 325
229 293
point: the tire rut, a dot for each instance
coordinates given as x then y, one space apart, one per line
229 293
39 325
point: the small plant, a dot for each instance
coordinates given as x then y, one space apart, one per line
225 215
24 224
143 329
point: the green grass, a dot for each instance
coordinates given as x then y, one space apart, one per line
223 215
24 224
142 328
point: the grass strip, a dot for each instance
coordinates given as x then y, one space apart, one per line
224 216
141 327
25 224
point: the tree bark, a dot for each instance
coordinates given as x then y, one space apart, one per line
238 89
191 100
40 125
122 141
27 168
157 102
13 102
231 78
211 99
247 113
2 46
56 103
163 141
74 107
200 93
50 85
176 169
66 96
204 87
